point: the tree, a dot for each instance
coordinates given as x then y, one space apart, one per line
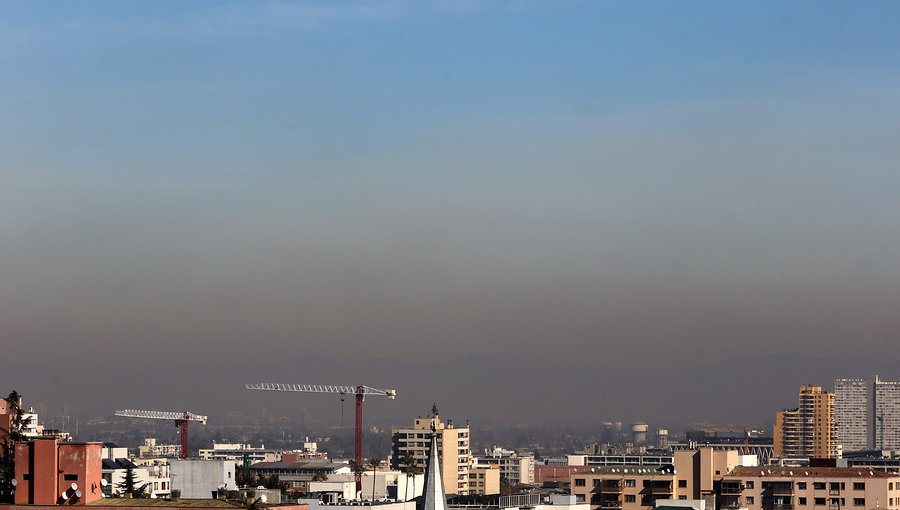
17 423
374 463
408 462
129 485
358 470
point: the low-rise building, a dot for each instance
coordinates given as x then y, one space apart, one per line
199 478
692 476
49 472
810 488
516 468
298 474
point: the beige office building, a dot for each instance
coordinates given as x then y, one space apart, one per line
808 431
692 476
809 489
453 450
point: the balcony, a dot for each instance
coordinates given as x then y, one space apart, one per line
778 506
611 486
778 489
732 488
658 487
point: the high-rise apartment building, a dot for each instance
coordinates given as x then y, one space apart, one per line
809 430
867 413
453 450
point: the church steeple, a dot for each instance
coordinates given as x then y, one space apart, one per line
434 499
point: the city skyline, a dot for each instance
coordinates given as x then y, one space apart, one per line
624 188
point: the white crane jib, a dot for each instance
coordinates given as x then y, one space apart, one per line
360 391
181 421
320 388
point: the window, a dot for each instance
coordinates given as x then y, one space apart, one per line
682 484
596 482
26 476
70 477
820 501
579 482
682 498
749 500
819 486
801 486
801 501
646 483
630 483
748 484
579 498
646 500
718 472
834 486
859 486
890 486
629 498
859 501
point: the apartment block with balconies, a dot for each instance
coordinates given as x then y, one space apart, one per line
808 489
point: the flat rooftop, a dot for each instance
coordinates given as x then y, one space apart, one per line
179 503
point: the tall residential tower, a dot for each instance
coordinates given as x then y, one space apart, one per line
868 413
809 430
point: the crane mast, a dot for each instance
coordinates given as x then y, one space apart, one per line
360 391
181 420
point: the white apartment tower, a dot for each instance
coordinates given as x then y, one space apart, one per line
867 412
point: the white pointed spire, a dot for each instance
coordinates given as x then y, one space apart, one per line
434 499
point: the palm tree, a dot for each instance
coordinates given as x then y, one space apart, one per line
358 470
408 461
374 463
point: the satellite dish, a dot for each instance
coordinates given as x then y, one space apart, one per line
103 482
263 498
65 496
74 486
791 473
674 471
260 487
77 494
153 495
14 482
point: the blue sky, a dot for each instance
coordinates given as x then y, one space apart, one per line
597 177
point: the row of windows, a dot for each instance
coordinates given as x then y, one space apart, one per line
819 486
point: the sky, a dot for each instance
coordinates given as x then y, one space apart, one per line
204 184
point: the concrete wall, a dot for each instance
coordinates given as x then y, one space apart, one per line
196 479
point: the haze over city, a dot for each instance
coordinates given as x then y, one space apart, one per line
534 211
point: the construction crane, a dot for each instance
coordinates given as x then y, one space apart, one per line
181 421
360 392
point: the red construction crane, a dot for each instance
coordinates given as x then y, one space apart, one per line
181 421
360 392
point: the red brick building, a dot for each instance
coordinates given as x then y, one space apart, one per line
49 472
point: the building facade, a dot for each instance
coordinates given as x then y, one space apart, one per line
453 450
692 476
52 473
867 413
514 467
809 430
808 489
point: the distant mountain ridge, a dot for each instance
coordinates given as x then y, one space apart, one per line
744 390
